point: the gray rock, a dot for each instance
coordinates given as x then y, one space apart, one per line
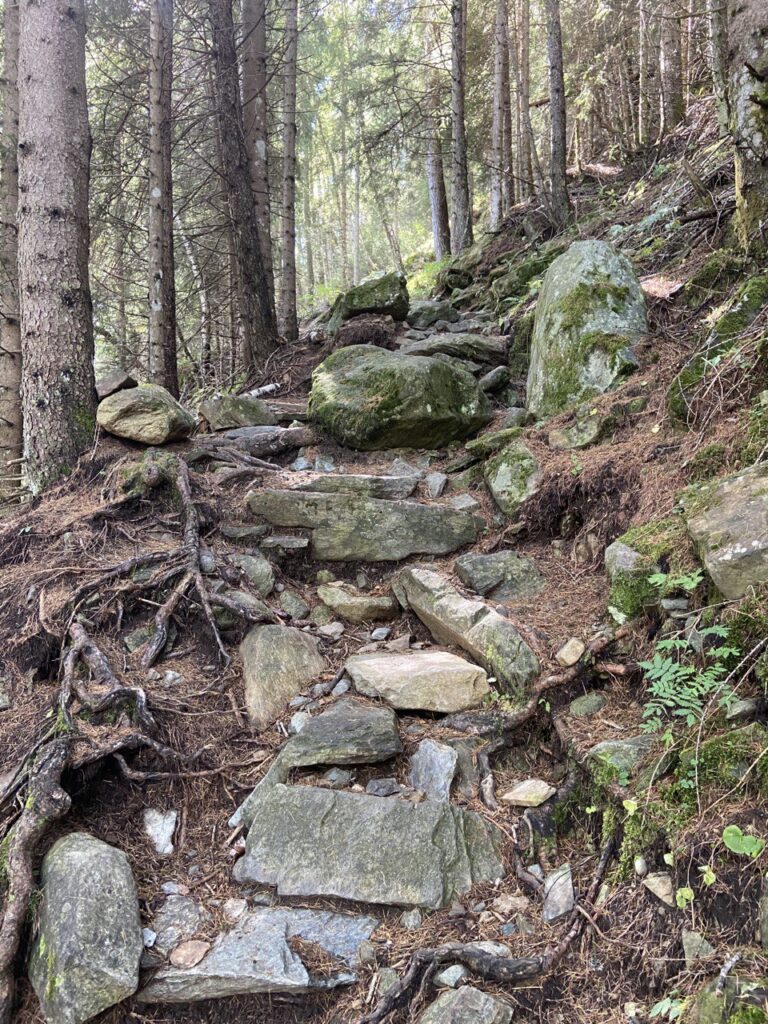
112 382
494 380
450 977
294 604
529 793
623 756
420 680
392 487
476 347
436 484
281 544
380 633
234 532
466 1005
298 722
256 956
512 475
226 412
384 293
258 570
148 414
347 733
357 528
742 710
369 398
338 778
411 919
433 767
515 418
695 947
728 521
309 841
571 652
661 885
160 826
559 898
343 686
324 464
452 619
278 663
180 917
332 631
383 787
587 705
589 314
502 574
348 602
89 940
252 606
620 557
464 503
425 312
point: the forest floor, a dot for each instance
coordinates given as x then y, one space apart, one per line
669 216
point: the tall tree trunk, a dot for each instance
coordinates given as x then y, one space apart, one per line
58 394
461 205
10 333
343 196
289 322
356 221
256 313
206 340
717 25
507 162
255 115
496 206
748 89
386 222
438 200
162 290
561 206
673 100
643 96
524 93
309 222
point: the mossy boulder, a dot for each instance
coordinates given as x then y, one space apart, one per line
86 953
425 312
369 398
591 425
638 554
514 282
380 293
722 761
727 323
590 312
148 414
226 412
511 476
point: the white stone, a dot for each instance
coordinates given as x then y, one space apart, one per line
160 826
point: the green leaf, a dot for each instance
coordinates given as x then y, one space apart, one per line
683 897
708 876
741 843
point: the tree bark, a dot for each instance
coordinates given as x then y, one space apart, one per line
289 322
748 104
256 314
58 393
496 206
10 332
561 207
671 52
162 289
438 199
309 223
523 65
461 205
255 114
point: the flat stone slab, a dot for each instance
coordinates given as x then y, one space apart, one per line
466 1005
479 348
530 793
255 956
390 488
501 574
420 680
348 527
433 767
356 606
559 897
347 733
487 636
623 756
278 662
86 952
728 522
317 842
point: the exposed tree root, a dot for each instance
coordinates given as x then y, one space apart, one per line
499 969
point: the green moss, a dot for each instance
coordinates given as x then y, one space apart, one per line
742 309
708 461
564 380
659 542
748 1015
713 277
722 761
491 442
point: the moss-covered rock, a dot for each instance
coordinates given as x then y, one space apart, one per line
511 475
590 425
590 312
639 553
369 398
226 412
148 414
514 282
381 293
723 760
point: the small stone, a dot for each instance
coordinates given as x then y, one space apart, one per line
321 615
174 889
387 977
149 937
559 898
234 908
515 418
207 561
510 928
457 910
411 919
342 687
433 767
402 468
742 710
587 705
571 652
338 778
366 952
536 870
324 464
695 947
333 631
189 953
641 867
675 604
298 722
383 787
436 484
531 793
258 570
380 633
506 904
294 604
300 464
160 826
235 532
464 503
660 884
450 977
325 576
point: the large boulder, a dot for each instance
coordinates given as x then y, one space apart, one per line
487 636
315 842
369 398
278 662
512 475
256 955
590 312
420 680
380 293
148 414
86 953
728 522
352 527
227 412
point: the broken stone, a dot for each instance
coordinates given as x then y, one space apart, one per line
695 947
383 787
180 917
278 663
450 977
190 953
160 826
433 767
347 733
571 652
466 1005
411 919
420 680
112 382
344 600
436 484
661 885
531 793
559 898
501 575
258 570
